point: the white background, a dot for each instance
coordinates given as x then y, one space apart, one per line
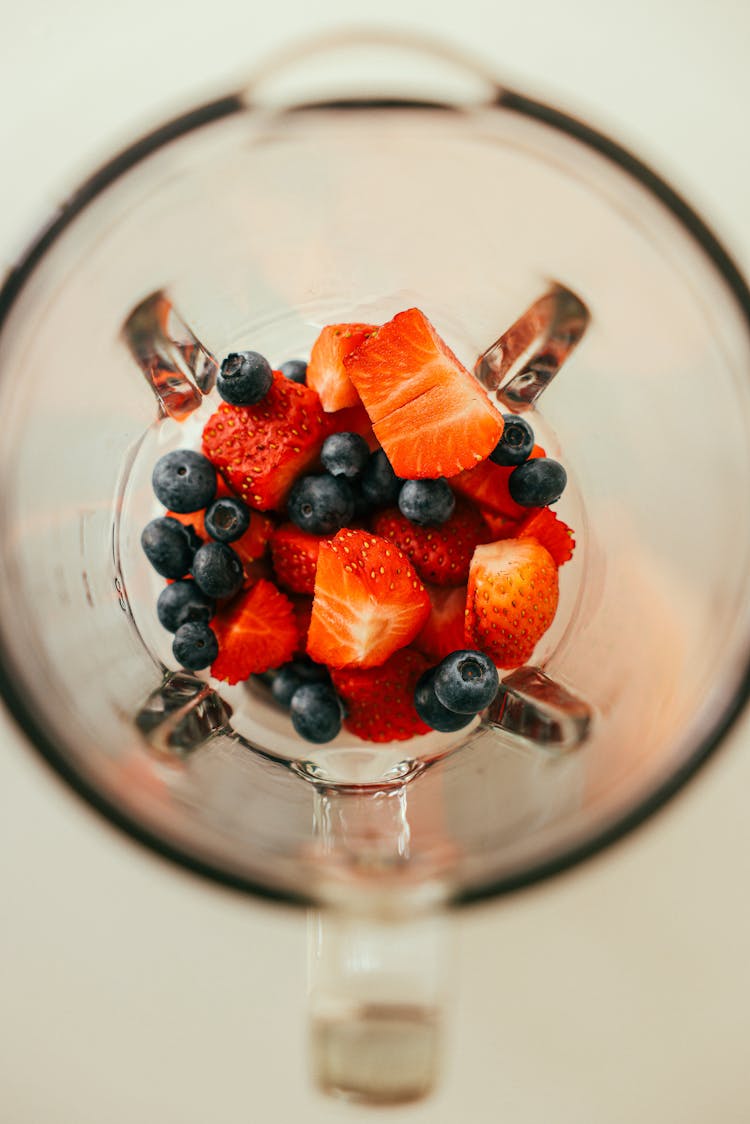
131 993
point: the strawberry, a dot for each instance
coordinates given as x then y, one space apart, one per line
512 599
444 630
256 631
368 601
380 700
325 371
428 412
544 526
302 609
442 554
487 486
295 557
354 419
261 450
252 545
500 526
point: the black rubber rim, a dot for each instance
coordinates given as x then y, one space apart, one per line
23 714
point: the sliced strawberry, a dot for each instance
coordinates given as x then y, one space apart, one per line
487 486
380 700
295 557
442 554
444 631
256 631
428 412
500 526
261 450
512 599
325 371
252 545
302 608
544 526
368 601
355 419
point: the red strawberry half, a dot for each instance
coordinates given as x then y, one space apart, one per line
261 450
442 554
544 526
444 630
256 631
428 412
487 486
295 557
380 700
368 601
325 371
512 599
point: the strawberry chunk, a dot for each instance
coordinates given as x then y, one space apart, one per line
444 631
544 526
256 631
487 486
252 545
512 599
325 371
428 412
380 700
368 601
442 554
302 609
355 419
295 557
261 450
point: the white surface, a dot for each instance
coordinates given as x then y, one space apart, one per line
130 992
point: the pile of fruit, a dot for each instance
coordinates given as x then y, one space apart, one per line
365 531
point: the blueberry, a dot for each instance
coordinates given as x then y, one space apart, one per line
184 481
183 601
321 504
427 502
217 569
361 503
227 519
537 482
431 710
292 675
195 646
380 485
344 454
295 370
244 379
516 443
168 547
316 712
466 681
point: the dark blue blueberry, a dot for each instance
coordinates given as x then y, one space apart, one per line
168 547
217 569
427 502
466 681
321 504
430 709
516 443
295 370
316 712
227 519
345 454
362 505
292 675
537 482
244 379
380 485
183 601
184 481
195 645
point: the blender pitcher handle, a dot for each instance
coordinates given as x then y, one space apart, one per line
380 954
360 64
